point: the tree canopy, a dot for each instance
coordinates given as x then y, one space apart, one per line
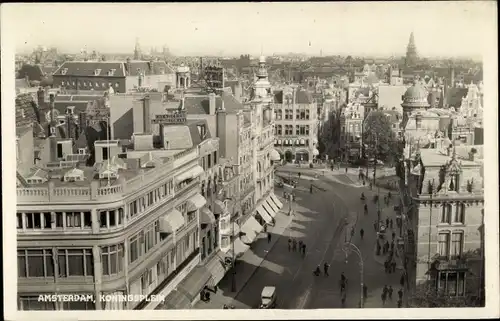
426 296
379 139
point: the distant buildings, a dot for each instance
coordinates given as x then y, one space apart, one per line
351 131
296 128
121 76
411 52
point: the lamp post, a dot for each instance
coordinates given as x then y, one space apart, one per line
361 265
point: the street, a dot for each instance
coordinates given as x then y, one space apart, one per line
323 221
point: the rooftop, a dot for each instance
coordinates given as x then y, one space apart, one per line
435 158
115 68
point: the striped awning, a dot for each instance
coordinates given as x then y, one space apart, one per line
263 213
276 201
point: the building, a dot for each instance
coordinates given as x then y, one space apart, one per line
443 222
351 131
121 76
296 128
130 224
411 52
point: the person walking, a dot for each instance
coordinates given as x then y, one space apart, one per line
346 170
400 294
300 245
386 266
362 233
365 291
303 249
268 237
289 244
402 280
383 296
325 268
389 291
294 245
387 222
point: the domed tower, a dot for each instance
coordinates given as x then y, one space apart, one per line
415 98
411 52
262 87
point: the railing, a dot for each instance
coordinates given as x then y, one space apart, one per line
94 192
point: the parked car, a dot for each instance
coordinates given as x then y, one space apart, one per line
268 297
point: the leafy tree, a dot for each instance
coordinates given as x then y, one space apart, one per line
330 133
426 296
379 139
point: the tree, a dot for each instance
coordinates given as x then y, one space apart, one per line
379 139
329 134
426 296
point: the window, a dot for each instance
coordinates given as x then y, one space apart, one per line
87 219
444 244
151 237
84 84
459 213
117 85
97 84
279 130
307 129
75 262
451 283
19 217
297 129
134 250
59 151
279 114
457 243
73 219
105 153
446 213
112 259
35 263
79 305
97 72
31 303
63 83
60 219
307 115
103 219
209 161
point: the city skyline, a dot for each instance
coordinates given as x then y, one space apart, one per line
327 28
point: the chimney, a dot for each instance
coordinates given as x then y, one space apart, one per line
145 116
212 103
128 67
40 98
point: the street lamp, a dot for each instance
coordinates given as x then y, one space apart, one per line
361 265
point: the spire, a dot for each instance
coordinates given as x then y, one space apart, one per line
137 50
411 51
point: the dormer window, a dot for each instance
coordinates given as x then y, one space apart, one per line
64 71
81 151
111 72
97 72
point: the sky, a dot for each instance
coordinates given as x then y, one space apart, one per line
451 29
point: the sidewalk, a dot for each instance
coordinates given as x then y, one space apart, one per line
247 265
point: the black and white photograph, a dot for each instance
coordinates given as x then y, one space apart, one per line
297 159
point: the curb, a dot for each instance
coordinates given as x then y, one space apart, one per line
264 257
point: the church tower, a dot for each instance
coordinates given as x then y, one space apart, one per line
411 52
137 50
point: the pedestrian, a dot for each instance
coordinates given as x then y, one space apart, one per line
346 170
383 297
390 292
268 237
386 246
392 246
394 266
400 303
393 235
365 291
371 186
325 268
400 294
299 175
300 245
294 245
362 233
387 222
304 249
386 266
402 280
385 289
289 244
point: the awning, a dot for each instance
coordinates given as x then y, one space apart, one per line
251 228
265 216
276 201
271 204
217 268
268 209
175 300
206 216
302 141
279 141
297 142
171 222
196 202
219 207
274 155
195 281
239 248
190 173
